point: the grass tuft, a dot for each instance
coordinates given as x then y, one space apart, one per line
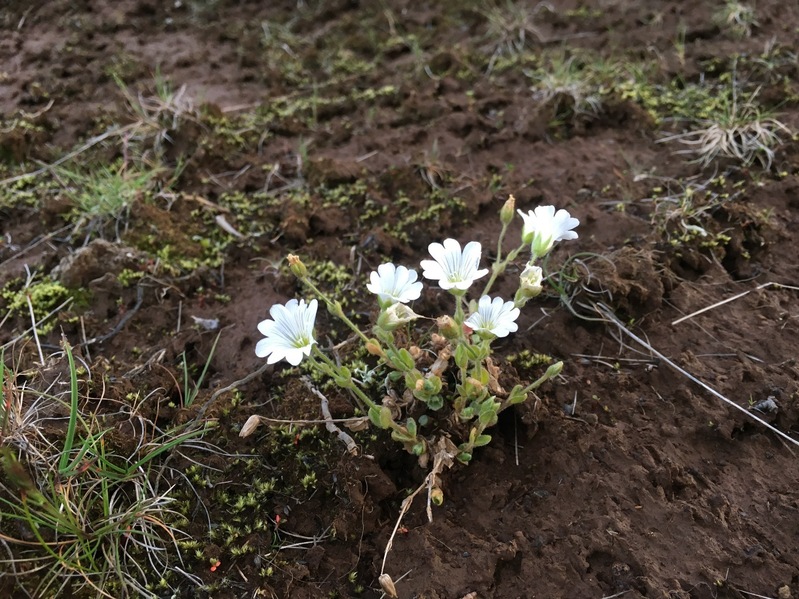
741 131
510 28
87 517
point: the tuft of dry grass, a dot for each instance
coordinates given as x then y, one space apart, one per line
736 17
81 515
741 131
511 27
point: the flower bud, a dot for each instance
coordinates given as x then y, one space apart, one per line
530 281
477 385
554 370
447 326
394 316
507 211
374 349
297 267
387 584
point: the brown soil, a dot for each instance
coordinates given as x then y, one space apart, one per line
626 479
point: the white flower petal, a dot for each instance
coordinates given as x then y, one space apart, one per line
544 226
394 284
496 317
451 267
288 335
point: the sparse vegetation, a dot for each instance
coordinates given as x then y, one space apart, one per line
736 17
511 27
739 130
95 518
158 161
568 86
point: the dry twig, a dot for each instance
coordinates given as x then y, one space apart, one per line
352 447
609 316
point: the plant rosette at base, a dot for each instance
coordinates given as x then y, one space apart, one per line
441 390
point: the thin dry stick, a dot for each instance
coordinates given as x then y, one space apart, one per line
35 331
406 505
442 459
754 594
45 318
352 447
733 298
608 314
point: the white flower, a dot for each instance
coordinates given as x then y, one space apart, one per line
393 284
543 227
530 281
396 315
494 316
289 333
452 268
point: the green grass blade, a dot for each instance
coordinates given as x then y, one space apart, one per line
69 440
189 398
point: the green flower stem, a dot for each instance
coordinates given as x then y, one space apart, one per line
499 265
459 315
335 309
334 371
499 244
387 339
551 372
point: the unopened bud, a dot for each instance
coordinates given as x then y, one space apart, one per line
475 383
374 349
297 267
387 584
554 370
508 208
531 281
415 351
395 316
253 422
447 326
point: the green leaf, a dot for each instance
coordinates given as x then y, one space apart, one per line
487 419
481 374
406 359
385 417
517 395
398 435
436 402
374 416
482 440
461 357
432 385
